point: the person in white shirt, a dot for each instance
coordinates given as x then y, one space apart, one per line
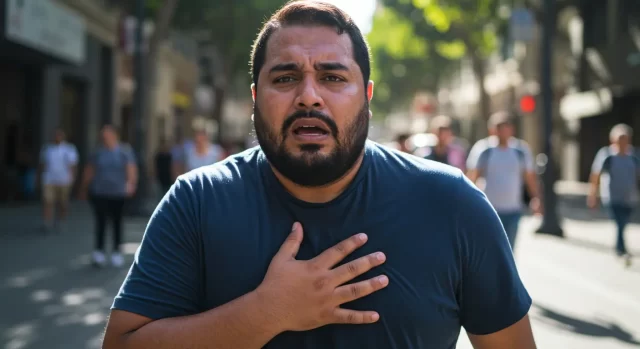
58 162
201 152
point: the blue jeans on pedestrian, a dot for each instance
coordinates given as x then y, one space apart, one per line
621 214
510 221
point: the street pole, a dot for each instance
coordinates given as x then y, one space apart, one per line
138 205
550 222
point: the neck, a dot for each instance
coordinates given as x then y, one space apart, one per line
322 194
503 142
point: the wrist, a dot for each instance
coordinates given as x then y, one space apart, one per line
264 314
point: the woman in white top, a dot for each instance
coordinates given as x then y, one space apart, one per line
197 154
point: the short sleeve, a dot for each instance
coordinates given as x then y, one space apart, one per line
474 154
165 278
73 155
599 161
491 294
529 165
129 155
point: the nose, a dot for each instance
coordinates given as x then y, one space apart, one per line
308 95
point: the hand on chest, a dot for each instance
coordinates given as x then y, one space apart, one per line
419 264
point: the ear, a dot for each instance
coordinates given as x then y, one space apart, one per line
253 92
370 90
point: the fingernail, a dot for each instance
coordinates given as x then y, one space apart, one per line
375 317
380 256
383 280
294 227
362 237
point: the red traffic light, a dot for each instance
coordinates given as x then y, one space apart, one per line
528 104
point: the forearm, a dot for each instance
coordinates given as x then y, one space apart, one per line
132 174
241 323
594 181
532 185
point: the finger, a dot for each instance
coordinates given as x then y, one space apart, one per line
351 292
346 316
290 247
335 254
358 267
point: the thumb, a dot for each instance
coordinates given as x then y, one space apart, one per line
290 247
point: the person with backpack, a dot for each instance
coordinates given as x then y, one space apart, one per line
506 164
614 175
109 178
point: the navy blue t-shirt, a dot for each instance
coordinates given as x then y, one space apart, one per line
449 263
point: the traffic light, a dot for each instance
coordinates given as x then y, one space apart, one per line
528 104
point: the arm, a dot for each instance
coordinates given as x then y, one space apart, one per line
531 178
132 171
240 323
599 163
159 305
477 162
492 298
73 166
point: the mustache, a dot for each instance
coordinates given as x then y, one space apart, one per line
301 114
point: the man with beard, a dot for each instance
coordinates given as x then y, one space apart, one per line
319 238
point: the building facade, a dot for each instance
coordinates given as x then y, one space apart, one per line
57 66
605 40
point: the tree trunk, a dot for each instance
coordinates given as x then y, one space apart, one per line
484 110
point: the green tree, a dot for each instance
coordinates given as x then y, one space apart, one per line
403 61
457 29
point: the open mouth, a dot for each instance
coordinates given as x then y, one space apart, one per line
310 127
310 131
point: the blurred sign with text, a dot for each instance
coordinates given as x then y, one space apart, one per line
48 27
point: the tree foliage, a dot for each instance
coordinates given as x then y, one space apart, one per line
231 24
432 35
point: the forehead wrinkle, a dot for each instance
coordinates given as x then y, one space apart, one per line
285 46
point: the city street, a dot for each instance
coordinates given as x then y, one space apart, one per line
51 298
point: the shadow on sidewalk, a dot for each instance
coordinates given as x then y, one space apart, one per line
583 327
577 209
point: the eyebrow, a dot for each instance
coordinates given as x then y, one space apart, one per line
318 66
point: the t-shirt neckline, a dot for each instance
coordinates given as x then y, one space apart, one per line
273 182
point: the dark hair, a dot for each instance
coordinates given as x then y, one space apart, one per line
311 13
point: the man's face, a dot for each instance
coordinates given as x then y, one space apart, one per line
623 142
200 137
505 131
59 136
109 137
445 136
311 110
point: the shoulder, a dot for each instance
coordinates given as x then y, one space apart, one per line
235 171
417 176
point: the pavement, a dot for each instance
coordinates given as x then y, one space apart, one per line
50 296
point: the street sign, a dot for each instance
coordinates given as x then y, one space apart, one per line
521 25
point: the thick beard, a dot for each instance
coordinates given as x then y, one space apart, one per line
312 169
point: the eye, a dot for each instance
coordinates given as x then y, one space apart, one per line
333 78
283 79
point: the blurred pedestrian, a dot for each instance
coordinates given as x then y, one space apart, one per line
505 163
162 167
402 142
264 249
201 152
614 175
56 175
445 150
110 178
